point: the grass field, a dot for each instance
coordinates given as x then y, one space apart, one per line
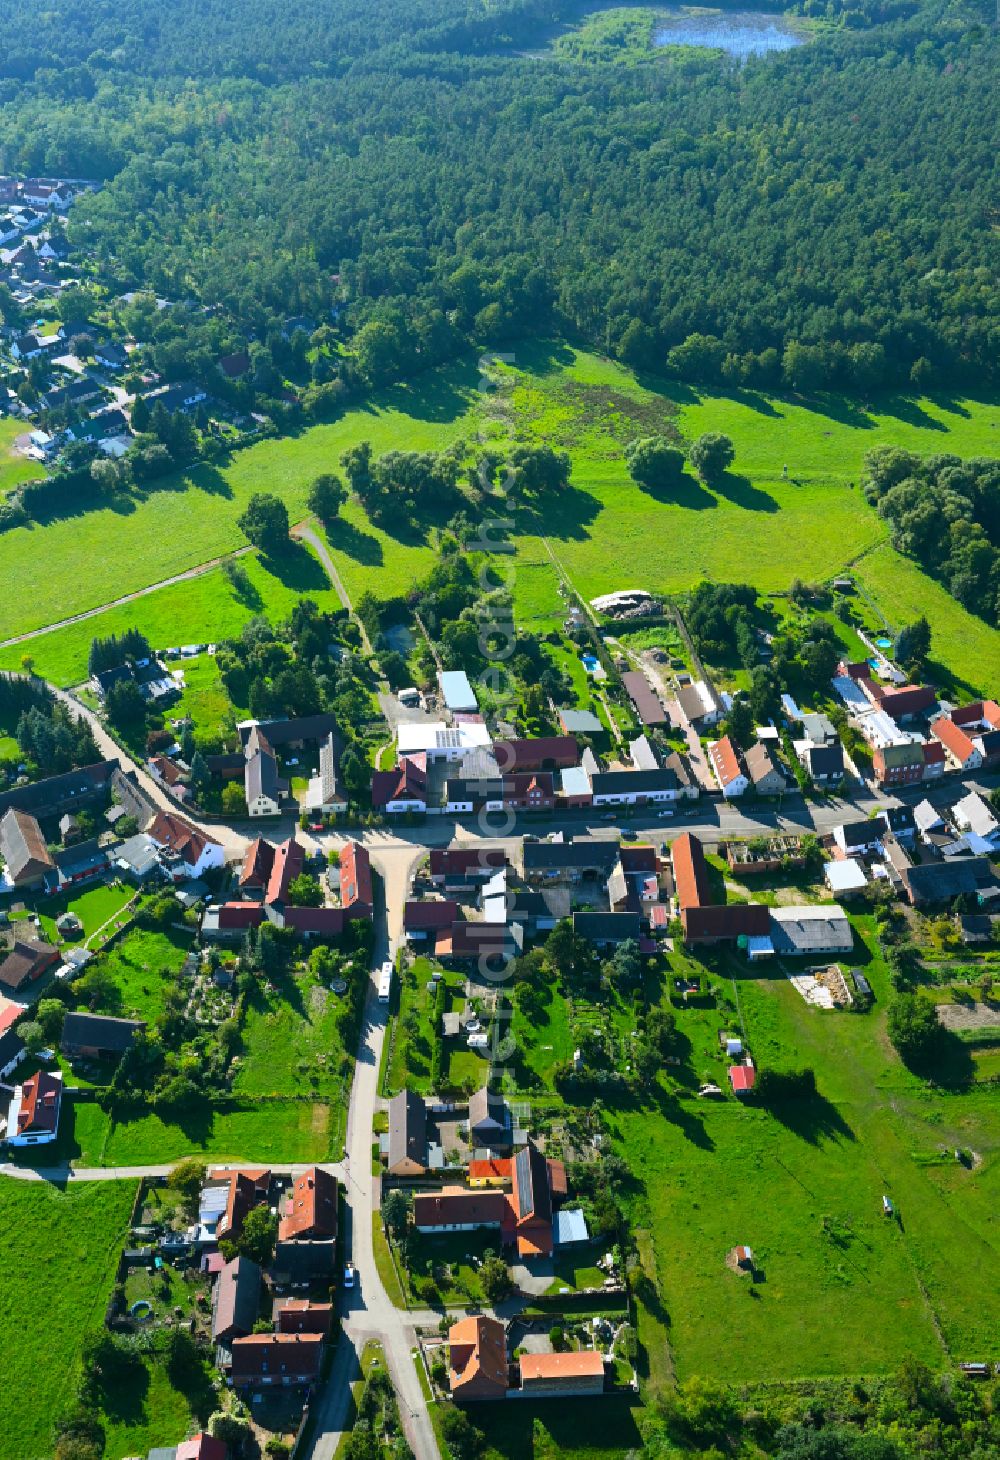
757 524
94 908
291 1041
143 966
587 1429
57 1265
14 469
840 1289
182 613
101 555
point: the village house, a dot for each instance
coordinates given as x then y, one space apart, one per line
705 922
568 861
70 792
562 1375
185 851
402 789
767 778
33 1114
477 1349
634 787
12 1047
728 768
939 882
23 849
607 929
647 704
699 705
97 1036
324 796
407 1154
547 753
490 1122
235 1300
263 786
800 932
266 1360
25 962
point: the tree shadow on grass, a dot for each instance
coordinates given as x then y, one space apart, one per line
439 394
688 492
813 1119
297 568
566 515
741 491
363 547
906 408
691 1126
123 1388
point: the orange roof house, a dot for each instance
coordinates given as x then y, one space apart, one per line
478 1352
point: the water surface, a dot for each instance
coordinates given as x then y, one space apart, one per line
740 33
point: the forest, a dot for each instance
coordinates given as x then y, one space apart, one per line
415 178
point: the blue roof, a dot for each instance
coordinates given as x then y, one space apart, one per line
458 692
570 1226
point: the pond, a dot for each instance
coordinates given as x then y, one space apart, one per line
740 33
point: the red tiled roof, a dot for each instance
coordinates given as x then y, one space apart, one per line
582 1364
173 832
355 876
405 782
933 752
312 1207
478 1357
289 860
257 863
751 920
742 1077
952 738
454 1204
247 1189
531 755
240 915
725 760
496 1169
202 1447
298 1315
907 700
459 860
276 1356
10 1016
690 871
329 920
41 1095
167 770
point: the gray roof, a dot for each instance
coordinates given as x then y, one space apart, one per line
681 768
580 722
99 1031
280 732
632 783
488 1113
140 853
262 777
22 846
825 760
939 881
817 928
407 1129
607 927
583 853
819 729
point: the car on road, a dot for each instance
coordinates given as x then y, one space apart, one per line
349 1275
664 814
608 816
628 834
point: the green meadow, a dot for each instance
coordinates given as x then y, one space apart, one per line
57 1264
14 469
840 1289
791 506
182 613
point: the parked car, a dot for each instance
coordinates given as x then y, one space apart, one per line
349 1275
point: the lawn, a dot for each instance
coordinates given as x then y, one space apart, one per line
192 519
291 1042
277 1132
197 609
57 1265
587 1429
416 1025
14 468
94 908
142 966
840 1289
205 702
603 530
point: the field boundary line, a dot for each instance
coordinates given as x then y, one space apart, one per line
79 618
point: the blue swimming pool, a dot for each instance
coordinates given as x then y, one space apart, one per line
590 662
884 643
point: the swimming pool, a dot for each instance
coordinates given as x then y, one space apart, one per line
590 662
884 643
